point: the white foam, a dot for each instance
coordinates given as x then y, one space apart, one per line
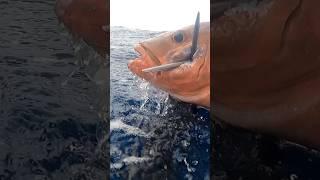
135 160
119 125
116 166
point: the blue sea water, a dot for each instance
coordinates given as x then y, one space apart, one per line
151 135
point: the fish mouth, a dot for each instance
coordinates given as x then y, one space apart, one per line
143 51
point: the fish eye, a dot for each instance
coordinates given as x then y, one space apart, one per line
178 37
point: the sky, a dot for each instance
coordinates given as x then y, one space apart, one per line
159 15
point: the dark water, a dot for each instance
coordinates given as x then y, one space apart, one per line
151 135
50 128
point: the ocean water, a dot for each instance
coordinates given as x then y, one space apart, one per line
51 125
151 135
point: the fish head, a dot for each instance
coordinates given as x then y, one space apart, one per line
86 20
190 82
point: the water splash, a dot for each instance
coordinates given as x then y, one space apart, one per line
118 125
94 67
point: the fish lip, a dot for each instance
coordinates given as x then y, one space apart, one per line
142 50
139 49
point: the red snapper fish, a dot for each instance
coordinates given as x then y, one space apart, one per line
173 63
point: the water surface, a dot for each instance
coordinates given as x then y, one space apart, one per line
49 129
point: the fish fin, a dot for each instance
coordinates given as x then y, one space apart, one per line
197 53
195 36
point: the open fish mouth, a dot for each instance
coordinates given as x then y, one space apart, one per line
143 50
144 53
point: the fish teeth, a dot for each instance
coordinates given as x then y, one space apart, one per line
185 66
